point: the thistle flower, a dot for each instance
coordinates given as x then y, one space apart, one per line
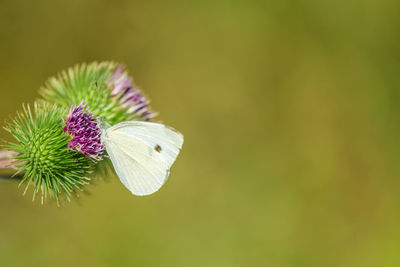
56 150
41 153
128 95
85 133
105 86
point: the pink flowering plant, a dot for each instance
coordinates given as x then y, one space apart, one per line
57 143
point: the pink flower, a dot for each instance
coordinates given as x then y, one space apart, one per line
129 95
85 133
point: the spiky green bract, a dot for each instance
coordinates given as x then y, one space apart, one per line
90 83
43 156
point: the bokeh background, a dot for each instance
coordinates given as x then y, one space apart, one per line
290 111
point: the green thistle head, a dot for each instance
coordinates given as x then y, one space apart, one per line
42 152
106 89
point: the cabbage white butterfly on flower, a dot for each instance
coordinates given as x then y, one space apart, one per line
142 153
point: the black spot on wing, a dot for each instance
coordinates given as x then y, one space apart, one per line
158 148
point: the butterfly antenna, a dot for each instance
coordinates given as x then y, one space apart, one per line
97 89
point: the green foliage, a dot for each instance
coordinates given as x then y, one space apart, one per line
43 155
88 83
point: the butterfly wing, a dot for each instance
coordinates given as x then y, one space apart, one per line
142 154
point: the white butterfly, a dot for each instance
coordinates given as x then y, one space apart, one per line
142 153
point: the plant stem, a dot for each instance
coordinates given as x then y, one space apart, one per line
6 162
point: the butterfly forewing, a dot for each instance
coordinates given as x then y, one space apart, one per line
164 140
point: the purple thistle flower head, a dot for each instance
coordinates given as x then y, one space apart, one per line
85 132
128 95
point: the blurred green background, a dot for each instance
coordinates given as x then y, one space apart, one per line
290 111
